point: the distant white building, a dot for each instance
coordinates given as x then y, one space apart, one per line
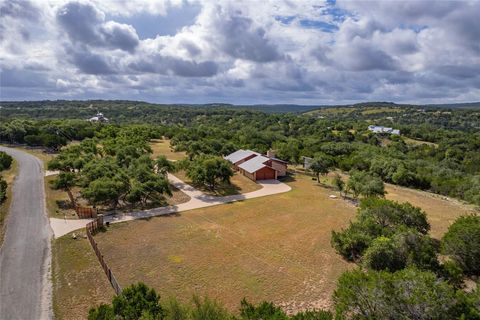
381 129
98 118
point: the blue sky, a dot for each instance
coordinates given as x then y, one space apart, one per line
182 51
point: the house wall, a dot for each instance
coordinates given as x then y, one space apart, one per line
250 176
281 168
265 173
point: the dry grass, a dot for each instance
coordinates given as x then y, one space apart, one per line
9 176
238 184
381 110
418 142
441 211
79 282
275 248
324 111
162 147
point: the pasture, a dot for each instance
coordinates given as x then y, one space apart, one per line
273 248
162 147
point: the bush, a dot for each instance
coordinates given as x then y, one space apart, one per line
3 190
135 302
406 294
383 254
462 243
5 161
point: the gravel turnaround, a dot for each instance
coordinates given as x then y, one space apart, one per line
25 256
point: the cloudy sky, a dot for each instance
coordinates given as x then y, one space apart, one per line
292 51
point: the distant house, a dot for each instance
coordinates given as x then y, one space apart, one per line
98 118
256 166
307 162
380 129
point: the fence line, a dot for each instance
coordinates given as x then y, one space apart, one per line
85 212
92 228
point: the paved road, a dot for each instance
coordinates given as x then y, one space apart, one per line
25 254
198 199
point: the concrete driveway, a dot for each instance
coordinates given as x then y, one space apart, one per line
198 200
25 288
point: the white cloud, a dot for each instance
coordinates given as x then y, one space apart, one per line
242 51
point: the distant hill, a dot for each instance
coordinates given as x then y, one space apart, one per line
268 108
468 105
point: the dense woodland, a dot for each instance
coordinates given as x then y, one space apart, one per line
402 272
438 150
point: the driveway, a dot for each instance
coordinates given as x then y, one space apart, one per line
25 288
198 200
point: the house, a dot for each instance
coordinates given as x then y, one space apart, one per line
380 129
307 162
98 118
256 166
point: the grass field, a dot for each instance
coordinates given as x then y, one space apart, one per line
376 110
238 184
274 248
79 282
418 142
162 147
9 177
441 211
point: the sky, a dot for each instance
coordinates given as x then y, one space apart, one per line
241 52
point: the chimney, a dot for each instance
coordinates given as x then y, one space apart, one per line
270 154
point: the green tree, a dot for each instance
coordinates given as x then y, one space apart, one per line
5 161
163 166
206 309
338 183
65 181
208 170
462 243
106 191
321 165
405 294
264 310
137 302
389 215
352 242
361 183
3 190
383 254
